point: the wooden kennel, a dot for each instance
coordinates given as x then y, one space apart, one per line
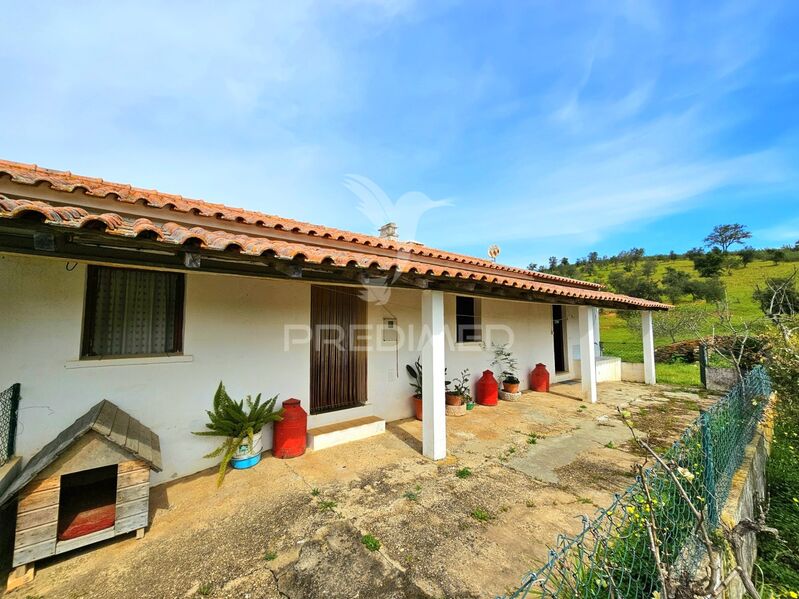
90 483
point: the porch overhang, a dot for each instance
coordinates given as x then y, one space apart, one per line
32 236
57 213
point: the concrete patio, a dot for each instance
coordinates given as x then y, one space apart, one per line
293 528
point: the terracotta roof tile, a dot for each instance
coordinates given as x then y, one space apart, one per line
408 258
65 181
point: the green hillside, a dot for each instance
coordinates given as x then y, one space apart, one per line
619 339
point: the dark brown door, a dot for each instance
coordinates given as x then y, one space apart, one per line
558 338
338 360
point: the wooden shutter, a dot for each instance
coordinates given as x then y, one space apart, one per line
338 361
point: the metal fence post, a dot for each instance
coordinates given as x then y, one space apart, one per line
709 467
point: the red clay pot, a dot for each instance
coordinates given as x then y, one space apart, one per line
417 406
510 387
453 399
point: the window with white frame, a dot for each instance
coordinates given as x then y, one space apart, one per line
132 312
467 319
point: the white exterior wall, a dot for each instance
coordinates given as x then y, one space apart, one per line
233 331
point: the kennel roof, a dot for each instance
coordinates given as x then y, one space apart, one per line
109 421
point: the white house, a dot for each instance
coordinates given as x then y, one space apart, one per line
149 300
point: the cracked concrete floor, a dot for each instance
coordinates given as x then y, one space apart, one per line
293 528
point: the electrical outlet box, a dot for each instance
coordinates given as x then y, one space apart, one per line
389 330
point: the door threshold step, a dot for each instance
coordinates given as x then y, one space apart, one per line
330 435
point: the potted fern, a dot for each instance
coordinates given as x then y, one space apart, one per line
241 427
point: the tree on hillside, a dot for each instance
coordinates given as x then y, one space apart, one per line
679 322
711 290
776 255
675 283
747 254
635 284
723 236
710 264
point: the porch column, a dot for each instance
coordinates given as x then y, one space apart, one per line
587 353
434 426
649 348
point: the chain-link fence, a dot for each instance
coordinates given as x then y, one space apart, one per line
628 351
611 557
9 403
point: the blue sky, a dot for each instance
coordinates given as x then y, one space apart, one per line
549 128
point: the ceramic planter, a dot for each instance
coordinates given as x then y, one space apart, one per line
453 399
417 407
510 387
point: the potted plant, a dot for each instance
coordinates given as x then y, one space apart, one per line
460 392
241 427
415 373
506 362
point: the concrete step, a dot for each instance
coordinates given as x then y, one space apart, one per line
323 437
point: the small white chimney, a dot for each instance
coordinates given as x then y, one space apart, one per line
389 231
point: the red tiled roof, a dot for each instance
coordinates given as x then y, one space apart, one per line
361 250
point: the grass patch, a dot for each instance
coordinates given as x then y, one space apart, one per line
463 472
680 375
205 589
370 542
610 445
777 558
315 492
327 505
269 555
532 439
481 514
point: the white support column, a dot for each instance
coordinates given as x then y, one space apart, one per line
587 353
434 424
649 348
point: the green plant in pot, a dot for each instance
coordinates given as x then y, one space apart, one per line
459 389
240 423
415 372
506 363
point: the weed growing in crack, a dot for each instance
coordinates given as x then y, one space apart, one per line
532 439
269 555
463 472
530 503
205 589
610 445
584 500
481 514
370 542
315 492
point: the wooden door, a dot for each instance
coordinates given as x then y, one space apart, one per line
338 361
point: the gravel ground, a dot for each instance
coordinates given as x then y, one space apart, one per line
294 528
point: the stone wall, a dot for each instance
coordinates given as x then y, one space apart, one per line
719 379
748 484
